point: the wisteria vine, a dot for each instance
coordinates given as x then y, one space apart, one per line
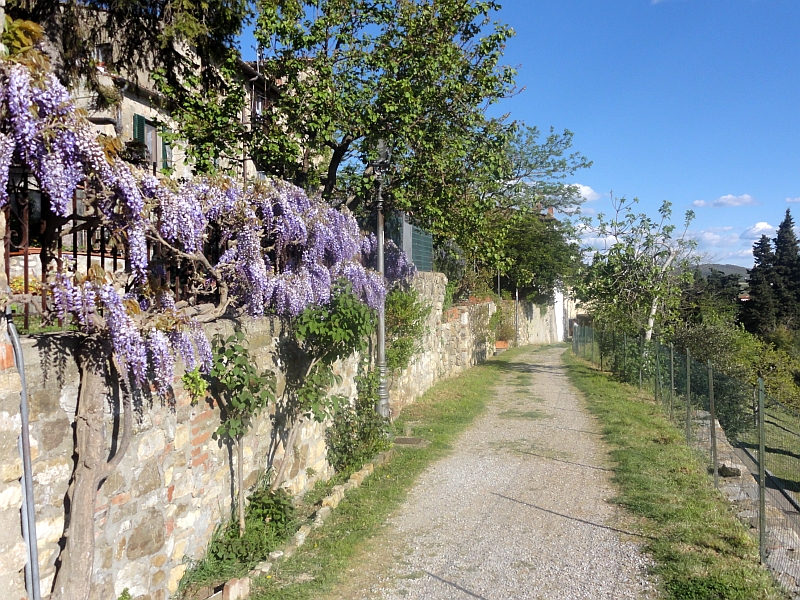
285 250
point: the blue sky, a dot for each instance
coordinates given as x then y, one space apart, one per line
692 101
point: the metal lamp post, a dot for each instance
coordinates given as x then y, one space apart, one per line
380 167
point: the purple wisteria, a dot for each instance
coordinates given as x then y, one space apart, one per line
282 250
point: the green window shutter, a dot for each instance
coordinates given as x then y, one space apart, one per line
138 128
422 249
164 154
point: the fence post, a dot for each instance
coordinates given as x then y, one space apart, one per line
671 381
614 351
591 348
657 377
641 359
762 515
688 397
713 423
624 357
600 349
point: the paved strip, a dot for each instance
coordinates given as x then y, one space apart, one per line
520 509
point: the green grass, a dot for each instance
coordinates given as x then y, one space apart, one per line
439 416
700 549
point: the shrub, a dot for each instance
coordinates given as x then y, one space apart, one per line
405 325
358 432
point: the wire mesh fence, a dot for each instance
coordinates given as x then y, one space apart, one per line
750 441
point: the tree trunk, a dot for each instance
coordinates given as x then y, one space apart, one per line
651 319
288 455
240 481
74 579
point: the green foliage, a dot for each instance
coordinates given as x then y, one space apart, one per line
194 383
125 595
209 121
741 355
774 283
20 37
406 313
542 253
271 519
143 36
418 74
358 432
713 297
327 333
634 282
502 322
236 382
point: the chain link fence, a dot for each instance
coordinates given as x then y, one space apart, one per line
752 451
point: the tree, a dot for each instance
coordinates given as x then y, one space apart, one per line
759 313
138 36
715 297
639 269
263 248
786 269
542 254
347 73
242 392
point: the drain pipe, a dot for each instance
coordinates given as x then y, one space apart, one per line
28 510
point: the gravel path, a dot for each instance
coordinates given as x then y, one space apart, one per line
519 510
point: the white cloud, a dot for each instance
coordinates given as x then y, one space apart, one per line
587 193
757 230
793 200
718 237
729 200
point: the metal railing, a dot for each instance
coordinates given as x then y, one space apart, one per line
39 244
763 433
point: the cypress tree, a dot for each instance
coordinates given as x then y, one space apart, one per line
786 285
759 313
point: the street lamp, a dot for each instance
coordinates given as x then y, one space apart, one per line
380 168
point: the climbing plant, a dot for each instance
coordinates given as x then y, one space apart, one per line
242 392
275 251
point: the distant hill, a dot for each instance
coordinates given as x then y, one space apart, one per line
726 269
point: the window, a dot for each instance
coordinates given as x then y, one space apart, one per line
145 132
101 54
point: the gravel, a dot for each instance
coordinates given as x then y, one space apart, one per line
520 508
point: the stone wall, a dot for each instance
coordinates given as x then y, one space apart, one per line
173 486
459 338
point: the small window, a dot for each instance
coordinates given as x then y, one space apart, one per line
166 155
102 54
145 133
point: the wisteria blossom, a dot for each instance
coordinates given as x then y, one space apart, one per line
282 250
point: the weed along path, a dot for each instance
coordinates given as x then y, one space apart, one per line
518 510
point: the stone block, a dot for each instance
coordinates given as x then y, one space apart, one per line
11 470
134 575
148 536
276 555
237 589
10 496
301 535
49 530
175 575
13 558
53 471
150 444
148 480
